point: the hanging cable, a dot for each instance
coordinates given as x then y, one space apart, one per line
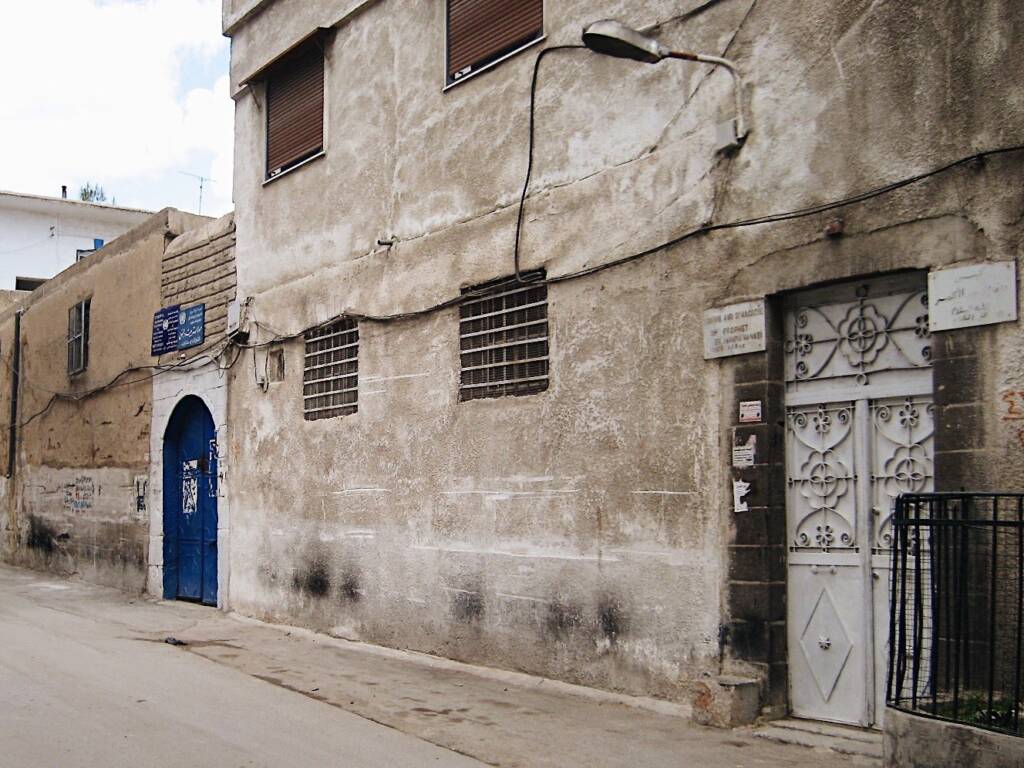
770 218
529 150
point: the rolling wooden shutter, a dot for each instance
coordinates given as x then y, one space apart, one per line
295 109
482 31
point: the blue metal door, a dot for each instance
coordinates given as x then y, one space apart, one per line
190 504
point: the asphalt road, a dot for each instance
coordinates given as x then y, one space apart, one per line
79 691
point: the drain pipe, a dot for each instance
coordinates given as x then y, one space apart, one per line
12 450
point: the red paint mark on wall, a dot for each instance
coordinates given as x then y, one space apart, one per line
1014 400
1014 411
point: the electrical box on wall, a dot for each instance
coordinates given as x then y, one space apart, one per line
238 327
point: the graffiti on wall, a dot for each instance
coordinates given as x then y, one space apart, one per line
79 494
141 489
1013 411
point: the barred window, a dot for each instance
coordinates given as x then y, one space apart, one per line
330 381
504 339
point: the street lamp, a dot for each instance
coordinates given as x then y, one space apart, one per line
613 38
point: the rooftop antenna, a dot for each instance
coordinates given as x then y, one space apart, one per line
202 183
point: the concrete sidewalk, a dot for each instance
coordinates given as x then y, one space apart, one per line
498 718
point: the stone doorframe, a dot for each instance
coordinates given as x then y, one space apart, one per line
755 592
754 632
209 384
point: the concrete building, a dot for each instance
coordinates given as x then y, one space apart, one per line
41 236
76 393
689 498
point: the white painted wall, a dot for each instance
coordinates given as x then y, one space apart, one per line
40 235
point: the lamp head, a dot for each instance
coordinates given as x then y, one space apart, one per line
613 38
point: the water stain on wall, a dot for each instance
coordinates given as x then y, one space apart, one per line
348 588
314 579
467 605
562 618
612 620
42 537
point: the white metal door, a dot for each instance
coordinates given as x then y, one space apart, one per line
859 433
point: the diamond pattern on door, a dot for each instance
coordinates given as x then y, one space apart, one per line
826 644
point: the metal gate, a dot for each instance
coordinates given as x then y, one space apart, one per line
859 432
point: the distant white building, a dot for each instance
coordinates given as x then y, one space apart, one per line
40 236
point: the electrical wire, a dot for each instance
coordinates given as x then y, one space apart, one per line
529 152
770 218
687 235
116 381
454 301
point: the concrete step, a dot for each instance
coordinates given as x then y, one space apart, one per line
810 733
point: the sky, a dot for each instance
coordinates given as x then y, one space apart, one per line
128 94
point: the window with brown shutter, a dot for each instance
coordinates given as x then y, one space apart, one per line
295 108
481 32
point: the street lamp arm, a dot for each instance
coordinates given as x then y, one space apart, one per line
737 78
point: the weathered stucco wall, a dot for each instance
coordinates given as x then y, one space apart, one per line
586 533
77 499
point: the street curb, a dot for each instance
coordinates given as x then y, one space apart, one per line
518 679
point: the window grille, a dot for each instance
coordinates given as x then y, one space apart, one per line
481 32
504 339
295 109
78 337
330 380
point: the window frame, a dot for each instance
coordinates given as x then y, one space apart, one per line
336 329
78 336
317 40
517 386
452 83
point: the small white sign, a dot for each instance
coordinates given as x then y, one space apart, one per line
979 294
750 411
734 330
745 455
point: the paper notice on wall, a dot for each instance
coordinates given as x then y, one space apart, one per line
745 454
740 490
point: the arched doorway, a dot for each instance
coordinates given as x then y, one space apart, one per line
190 504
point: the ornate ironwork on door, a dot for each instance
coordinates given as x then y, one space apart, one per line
902 452
823 508
859 432
858 338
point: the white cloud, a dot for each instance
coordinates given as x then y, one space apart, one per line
92 91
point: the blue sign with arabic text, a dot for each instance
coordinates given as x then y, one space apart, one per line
191 326
165 330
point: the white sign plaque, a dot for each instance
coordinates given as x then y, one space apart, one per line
750 412
978 294
734 330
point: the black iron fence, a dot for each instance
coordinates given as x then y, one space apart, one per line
957 606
